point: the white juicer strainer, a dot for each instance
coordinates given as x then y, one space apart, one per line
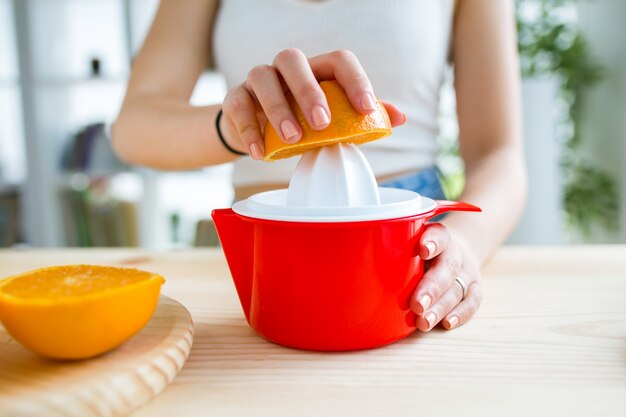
333 184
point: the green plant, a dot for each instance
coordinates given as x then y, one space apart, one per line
550 43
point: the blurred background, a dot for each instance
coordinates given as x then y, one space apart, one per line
63 70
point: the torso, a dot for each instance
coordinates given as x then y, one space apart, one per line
403 45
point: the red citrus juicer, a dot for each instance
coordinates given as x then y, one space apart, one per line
331 262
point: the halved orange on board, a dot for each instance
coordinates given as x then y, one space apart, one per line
77 311
346 125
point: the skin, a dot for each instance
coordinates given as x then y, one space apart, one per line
156 114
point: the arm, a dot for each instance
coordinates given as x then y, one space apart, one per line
487 85
157 126
488 105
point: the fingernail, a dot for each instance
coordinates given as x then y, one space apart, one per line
320 117
255 151
453 321
430 247
290 131
425 302
367 101
430 318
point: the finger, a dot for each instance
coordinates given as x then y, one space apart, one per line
466 308
434 240
296 71
436 281
438 310
396 117
265 83
240 110
345 67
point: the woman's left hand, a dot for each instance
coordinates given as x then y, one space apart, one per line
439 296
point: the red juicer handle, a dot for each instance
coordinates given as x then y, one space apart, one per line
444 206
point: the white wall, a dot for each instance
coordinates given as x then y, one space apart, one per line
604 121
542 219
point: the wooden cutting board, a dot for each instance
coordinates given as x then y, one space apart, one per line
112 384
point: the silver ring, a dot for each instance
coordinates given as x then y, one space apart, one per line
463 286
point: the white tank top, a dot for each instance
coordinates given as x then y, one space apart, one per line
403 45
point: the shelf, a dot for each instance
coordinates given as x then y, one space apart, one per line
55 96
9 186
9 82
75 81
65 178
77 179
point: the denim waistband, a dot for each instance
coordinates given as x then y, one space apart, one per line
425 182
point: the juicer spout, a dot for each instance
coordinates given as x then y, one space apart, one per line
443 206
237 239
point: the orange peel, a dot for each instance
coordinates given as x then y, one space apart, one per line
77 311
347 125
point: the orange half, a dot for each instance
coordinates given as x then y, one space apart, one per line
347 125
77 311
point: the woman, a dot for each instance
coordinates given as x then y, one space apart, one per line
396 50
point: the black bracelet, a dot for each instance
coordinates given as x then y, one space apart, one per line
219 135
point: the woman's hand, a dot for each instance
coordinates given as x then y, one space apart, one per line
261 97
439 297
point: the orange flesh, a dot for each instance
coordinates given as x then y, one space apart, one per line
299 149
77 311
71 281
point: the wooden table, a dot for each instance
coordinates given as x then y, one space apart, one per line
550 339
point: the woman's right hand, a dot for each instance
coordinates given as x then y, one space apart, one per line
261 97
